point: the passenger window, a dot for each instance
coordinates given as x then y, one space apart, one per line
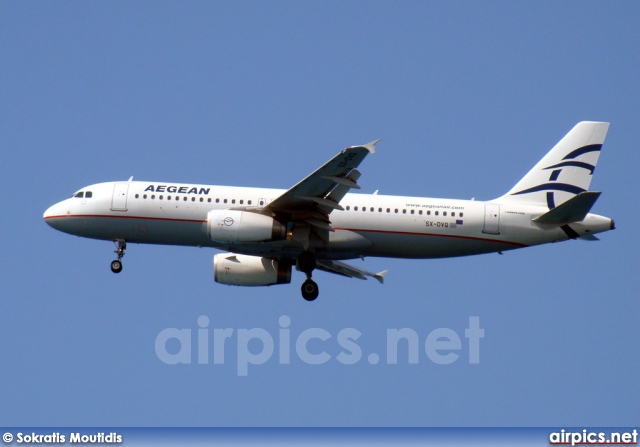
137 195
396 210
184 198
177 198
453 214
461 214
249 202
209 200
444 214
193 199
364 208
217 200
404 211
88 195
428 212
371 209
225 200
388 210
355 208
160 197
144 196
233 201
379 210
437 212
241 201
153 196
413 211
348 207
201 199
420 212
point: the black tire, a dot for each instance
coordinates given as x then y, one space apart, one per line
309 290
116 266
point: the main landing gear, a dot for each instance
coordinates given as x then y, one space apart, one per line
306 264
116 265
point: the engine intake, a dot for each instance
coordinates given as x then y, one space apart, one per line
243 226
251 271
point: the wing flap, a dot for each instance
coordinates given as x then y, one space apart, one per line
351 271
342 181
327 203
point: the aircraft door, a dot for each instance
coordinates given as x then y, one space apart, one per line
491 219
119 199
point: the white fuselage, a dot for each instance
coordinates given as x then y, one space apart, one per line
369 225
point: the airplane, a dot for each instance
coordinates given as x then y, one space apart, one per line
317 224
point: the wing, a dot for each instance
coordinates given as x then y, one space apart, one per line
344 269
311 200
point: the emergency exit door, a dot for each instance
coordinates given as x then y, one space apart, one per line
119 199
491 219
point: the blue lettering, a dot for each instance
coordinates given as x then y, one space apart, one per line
181 190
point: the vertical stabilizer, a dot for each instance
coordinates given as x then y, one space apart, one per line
565 171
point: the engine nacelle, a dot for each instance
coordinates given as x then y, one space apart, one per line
244 270
243 226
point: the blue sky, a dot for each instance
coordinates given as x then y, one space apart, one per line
466 96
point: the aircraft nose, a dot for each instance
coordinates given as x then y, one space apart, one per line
51 213
47 213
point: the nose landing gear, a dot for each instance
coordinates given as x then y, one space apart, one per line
306 264
116 265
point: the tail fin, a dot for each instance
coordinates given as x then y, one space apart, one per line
565 171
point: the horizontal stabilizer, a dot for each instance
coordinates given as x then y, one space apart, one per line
573 210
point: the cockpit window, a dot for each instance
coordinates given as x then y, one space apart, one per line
88 195
80 194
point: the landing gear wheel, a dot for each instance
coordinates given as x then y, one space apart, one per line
309 290
116 266
121 245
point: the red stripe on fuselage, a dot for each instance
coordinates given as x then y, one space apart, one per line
357 230
71 216
408 233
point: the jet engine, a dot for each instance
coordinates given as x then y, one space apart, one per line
244 270
243 226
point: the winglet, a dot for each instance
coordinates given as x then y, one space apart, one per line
371 147
380 276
